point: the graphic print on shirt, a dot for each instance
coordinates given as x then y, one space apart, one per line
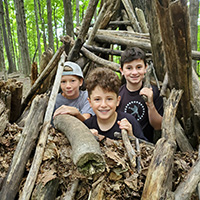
135 108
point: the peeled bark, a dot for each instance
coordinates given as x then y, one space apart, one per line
86 153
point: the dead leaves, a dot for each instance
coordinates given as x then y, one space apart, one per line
118 181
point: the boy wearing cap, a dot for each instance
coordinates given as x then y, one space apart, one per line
103 87
72 100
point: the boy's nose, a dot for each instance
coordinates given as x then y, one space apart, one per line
103 103
134 71
68 85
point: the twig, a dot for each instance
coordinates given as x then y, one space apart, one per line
130 151
138 156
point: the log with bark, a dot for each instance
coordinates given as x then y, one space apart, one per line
159 178
11 94
24 148
3 117
87 155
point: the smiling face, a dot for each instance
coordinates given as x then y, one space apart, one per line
134 72
70 86
104 104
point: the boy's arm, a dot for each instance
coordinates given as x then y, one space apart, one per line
155 118
71 111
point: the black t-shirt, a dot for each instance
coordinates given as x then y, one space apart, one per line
91 123
133 103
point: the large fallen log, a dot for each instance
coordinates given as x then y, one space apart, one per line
86 153
159 178
24 148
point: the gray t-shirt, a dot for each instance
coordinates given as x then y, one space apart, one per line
81 103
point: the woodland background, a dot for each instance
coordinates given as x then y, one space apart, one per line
29 27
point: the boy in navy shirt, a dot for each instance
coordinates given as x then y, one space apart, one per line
103 86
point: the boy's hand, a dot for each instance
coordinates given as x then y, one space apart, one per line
125 124
66 110
98 136
149 93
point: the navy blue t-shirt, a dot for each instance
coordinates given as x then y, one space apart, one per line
91 123
134 104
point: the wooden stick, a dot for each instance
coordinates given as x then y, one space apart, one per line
129 149
97 24
100 61
37 160
74 53
131 16
138 156
71 193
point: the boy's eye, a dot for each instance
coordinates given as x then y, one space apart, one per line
63 81
110 99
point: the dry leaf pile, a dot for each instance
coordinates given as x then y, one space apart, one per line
118 181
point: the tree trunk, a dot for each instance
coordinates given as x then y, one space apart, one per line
22 37
38 31
10 36
86 153
2 60
6 41
50 27
43 26
77 13
68 17
194 12
24 148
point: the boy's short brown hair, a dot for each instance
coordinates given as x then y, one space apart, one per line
132 53
105 78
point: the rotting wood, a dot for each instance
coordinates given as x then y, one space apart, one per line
34 72
24 148
37 160
86 153
52 63
159 177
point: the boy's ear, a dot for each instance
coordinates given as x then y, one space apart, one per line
118 100
81 82
89 101
121 70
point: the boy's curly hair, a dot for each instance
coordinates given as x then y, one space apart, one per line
132 53
103 77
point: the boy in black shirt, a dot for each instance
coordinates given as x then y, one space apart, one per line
148 114
103 85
